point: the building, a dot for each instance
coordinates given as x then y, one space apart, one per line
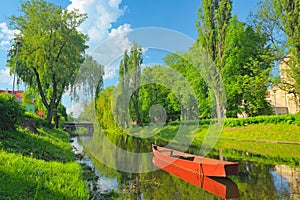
29 106
282 101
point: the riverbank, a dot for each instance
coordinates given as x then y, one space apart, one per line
38 166
265 143
259 173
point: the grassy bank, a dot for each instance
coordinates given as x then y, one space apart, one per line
267 143
39 166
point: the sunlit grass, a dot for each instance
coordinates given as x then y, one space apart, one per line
260 142
28 178
273 132
39 166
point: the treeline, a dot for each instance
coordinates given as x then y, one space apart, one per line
235 82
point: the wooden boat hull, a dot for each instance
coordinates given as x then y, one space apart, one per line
220 186
195 164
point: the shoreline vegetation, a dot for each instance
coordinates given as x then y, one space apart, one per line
38 166
263 139
45 162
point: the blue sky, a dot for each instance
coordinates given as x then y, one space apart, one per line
108 18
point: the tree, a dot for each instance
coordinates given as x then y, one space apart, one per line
163 91
129 81
178 62
52 50
289 12
246 71
212 26
89 78
104 109
280 19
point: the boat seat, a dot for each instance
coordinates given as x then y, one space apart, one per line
190 158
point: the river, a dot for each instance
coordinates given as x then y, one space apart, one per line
254 181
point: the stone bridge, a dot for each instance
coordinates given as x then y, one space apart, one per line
70 126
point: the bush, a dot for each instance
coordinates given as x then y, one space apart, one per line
235 122
11 112
297 118
39 122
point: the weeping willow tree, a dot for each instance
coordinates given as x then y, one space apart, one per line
129 82
52 51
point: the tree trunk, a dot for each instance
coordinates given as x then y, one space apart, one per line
136 108
220 110
56 119
49 116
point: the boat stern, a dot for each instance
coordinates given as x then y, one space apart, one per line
231 169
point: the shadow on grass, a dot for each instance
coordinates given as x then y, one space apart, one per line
50 145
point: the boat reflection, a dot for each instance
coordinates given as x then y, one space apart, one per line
219 186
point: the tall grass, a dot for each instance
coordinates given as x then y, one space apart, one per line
39 166
28 178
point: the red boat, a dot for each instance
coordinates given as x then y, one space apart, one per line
220 186
196 165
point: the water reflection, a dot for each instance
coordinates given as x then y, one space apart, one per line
255 181
287 181
220 186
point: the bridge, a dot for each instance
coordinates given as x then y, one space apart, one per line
71 126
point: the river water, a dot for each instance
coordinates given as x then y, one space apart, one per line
254 181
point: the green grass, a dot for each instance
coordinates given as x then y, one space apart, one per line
50 145
257 142
271 132
39 166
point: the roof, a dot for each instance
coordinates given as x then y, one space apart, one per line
18 94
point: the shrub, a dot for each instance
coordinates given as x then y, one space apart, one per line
235 122
39 122
297 118
11 112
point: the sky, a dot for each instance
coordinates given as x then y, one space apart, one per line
113 20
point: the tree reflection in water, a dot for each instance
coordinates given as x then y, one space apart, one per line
255 181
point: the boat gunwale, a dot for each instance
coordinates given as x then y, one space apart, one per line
200 159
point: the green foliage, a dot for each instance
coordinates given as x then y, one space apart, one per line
104 108
11 112
89 78
52 50
212 28
40 123
246 70
297 118
236 122
178 62
278 119
152 95
129 82
167 91
280 20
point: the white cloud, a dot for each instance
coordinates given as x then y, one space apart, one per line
6 35
98 26
114 3
106 43
101 15
76 109
5 77
111 50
